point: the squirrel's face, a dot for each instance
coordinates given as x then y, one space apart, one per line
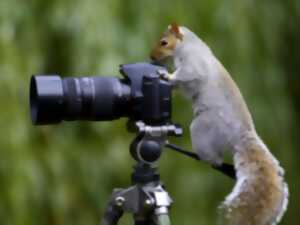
167 44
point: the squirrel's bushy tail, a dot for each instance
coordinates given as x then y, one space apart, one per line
260 194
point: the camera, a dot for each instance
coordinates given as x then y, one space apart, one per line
140 95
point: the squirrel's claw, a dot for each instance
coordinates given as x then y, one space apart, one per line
165 75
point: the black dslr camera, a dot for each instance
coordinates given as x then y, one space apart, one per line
141 96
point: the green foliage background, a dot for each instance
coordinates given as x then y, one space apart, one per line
64 174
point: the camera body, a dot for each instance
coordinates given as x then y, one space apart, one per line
140 95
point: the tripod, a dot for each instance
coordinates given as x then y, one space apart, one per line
146 199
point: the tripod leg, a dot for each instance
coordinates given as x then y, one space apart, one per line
112 214
163 219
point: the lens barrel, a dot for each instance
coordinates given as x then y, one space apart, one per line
53 99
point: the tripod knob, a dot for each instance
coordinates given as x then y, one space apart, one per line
146 150
149 151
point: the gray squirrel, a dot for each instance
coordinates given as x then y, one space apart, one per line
222 122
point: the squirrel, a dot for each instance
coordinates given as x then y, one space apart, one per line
222 122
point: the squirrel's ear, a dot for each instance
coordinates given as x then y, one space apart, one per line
174 28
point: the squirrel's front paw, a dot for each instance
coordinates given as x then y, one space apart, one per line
165 75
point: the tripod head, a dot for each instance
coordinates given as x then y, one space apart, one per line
147 146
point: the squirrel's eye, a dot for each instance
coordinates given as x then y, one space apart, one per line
163 43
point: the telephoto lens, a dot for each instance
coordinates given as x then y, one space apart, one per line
53 99
140 95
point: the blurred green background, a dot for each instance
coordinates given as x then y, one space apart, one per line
64 174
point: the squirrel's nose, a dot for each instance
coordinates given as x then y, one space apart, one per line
155 57
152 57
